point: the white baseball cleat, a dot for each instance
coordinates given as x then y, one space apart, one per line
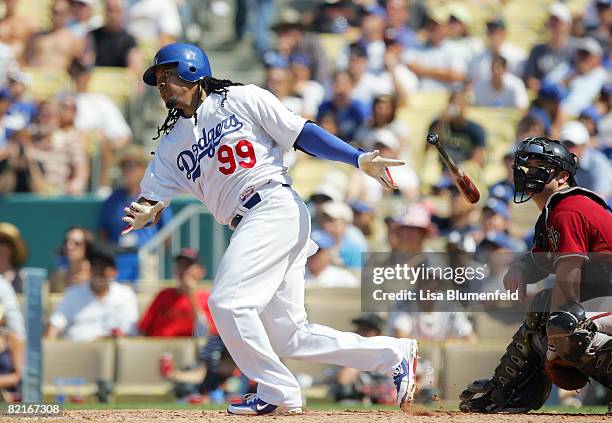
404 375
254 406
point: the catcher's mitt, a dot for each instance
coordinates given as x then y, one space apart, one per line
563 374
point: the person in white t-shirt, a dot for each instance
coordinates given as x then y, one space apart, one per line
502 89
223 142
149 20
466 46
98 309
394 79
479 68
319 268
437 64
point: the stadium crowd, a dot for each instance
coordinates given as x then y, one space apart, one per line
360 69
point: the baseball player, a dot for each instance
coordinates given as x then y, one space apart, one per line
223 142
565 338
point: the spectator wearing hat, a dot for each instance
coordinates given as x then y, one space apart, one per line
593 166
113 45
585 80
72 264
319 268
21 113
590 118
463 139
364 219
501 89
98 309
479 67
504 189
554 55
292 38
133 163
16 29
350 114
311 91
367 189
459 38
495 218
183 310
351 385
435 63
59 47
337 220
12 356
13 255
408 232
547 107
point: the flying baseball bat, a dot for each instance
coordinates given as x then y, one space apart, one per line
462 181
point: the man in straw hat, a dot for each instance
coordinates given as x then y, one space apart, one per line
13 254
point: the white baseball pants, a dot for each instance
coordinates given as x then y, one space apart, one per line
257 303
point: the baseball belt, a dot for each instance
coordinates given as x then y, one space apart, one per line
249 204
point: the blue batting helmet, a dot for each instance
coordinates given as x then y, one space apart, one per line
191 63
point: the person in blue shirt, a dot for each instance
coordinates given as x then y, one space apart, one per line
133 164
350 115
21 113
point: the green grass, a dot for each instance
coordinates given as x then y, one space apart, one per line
323 406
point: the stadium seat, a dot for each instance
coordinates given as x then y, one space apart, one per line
38 11
138 364
334 307
308 174
428 101
117 83
497 325
46 83
333 45
466 362
74 368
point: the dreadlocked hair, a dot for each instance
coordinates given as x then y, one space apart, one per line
210 85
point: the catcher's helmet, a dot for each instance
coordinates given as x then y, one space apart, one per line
191 62
553 156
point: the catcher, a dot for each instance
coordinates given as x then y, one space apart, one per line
565 338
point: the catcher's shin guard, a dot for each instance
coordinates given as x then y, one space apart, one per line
519 383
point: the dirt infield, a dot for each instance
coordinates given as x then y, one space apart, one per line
417 416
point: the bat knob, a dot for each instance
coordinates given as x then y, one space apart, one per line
432 138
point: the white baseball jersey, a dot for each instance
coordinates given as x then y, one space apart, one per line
225 154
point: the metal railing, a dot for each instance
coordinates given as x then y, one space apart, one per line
172 233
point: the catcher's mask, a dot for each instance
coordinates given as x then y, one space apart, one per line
530 178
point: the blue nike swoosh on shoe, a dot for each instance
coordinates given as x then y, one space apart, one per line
397 379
